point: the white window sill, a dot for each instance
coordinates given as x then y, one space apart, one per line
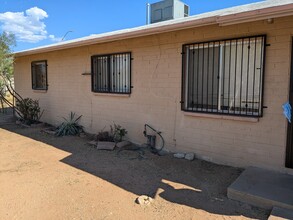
40 91
111 94
225 117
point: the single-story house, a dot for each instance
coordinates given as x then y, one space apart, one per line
213 84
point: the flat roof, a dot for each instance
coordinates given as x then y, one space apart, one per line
234 15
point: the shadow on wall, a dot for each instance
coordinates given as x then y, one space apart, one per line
197 184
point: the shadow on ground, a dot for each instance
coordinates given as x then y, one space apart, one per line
197 184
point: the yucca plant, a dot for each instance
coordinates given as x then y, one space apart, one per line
70 126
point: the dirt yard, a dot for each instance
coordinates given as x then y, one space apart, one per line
44 177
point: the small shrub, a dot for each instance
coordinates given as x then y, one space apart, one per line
30 111
70 126
118 132
104 136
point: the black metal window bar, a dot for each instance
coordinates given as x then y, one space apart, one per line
39 75
224 77
112 73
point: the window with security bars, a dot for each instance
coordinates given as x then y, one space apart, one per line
39 75
224 77
111 73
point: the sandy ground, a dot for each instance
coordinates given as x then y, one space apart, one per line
44 177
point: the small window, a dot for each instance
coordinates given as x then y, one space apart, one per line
39 75
224 77
111 73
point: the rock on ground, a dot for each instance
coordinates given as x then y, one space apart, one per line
49 131
163 152
144 200
123 144
189 156
104 145
179 155
82 135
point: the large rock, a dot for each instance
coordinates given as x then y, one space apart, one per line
104 145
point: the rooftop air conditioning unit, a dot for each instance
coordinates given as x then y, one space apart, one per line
167 10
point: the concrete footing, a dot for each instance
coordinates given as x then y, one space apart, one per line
263 188
279 213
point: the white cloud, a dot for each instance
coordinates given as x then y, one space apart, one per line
28 26
55 39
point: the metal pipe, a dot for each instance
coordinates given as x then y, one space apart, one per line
158 133
148 5
65 35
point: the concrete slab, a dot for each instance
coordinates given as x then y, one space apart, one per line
263 188
279 213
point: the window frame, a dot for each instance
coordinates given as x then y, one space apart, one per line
185 86
109 55
46 75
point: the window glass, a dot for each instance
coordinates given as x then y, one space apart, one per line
39 75
111 73
224 77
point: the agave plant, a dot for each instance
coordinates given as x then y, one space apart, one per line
70 126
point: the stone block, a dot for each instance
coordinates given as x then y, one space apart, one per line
189 156
104 145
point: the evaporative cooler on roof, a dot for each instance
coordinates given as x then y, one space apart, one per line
167 10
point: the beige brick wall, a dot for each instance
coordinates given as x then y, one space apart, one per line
155 98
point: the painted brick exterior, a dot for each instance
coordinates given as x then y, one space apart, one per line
156 94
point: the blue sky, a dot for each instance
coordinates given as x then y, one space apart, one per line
42 22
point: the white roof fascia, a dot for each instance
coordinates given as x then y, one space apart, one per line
249 16
118 35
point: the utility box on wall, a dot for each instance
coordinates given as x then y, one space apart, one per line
167 10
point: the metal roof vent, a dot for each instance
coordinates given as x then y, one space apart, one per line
167 10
